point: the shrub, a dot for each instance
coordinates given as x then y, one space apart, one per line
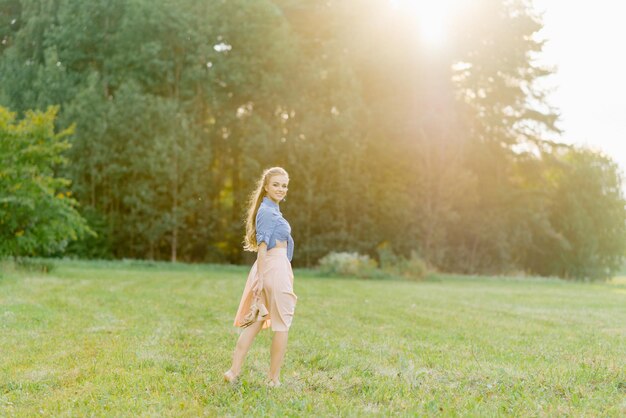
37 213
11 265
388 260
391 265
348 264
413 268
38 265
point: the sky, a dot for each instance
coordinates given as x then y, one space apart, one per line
585 41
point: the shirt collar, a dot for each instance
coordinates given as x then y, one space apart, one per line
270 202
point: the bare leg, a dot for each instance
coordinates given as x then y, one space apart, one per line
279 346
243 345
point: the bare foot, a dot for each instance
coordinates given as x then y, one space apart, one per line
273 383
230 377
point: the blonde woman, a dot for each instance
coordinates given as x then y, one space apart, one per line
271 278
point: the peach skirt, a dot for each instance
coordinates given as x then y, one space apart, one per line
277 295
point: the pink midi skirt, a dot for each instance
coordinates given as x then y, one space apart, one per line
277 295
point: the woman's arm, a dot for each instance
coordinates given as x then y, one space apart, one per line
265 223
260 264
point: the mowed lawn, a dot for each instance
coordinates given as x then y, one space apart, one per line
152 339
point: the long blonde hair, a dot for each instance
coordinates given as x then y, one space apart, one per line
256 197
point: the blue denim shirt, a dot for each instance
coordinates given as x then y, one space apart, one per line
271 226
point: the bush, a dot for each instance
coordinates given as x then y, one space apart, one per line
391 265
413 268
37 213
388 260
36 265
348 264
12 265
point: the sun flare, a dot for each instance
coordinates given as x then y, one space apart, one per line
433 18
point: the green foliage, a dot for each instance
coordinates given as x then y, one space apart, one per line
92 246
390 265
412 268
37 212
33 265
588 213
179 105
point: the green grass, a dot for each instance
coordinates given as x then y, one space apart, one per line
152 339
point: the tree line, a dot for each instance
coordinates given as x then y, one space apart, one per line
178 106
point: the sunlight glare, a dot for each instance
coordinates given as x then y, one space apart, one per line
433 18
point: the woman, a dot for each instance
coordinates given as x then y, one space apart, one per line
271 278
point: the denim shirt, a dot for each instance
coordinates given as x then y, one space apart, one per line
271 226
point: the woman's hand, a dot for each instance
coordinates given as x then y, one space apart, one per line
258 287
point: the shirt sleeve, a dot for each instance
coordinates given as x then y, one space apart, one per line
265 224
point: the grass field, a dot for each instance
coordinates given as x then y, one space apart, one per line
152 339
